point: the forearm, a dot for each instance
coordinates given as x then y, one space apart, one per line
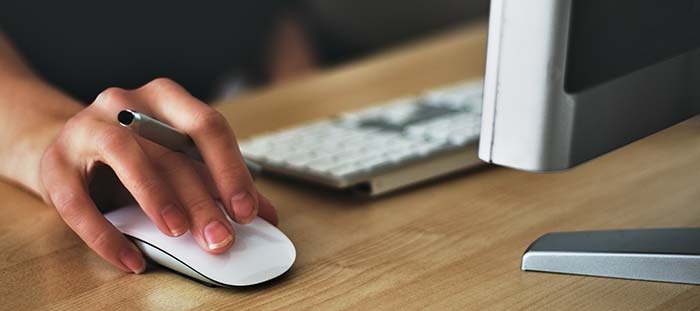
31 114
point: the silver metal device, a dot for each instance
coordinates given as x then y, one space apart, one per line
666 255
538 115
158 132
166 135
380 149
532 122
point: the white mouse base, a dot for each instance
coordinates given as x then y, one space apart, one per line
260 253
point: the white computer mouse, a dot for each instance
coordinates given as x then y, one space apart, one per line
261 251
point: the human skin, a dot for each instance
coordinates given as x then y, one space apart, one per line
57 148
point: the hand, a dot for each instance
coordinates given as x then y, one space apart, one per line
175 192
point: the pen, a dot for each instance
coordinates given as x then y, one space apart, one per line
167 136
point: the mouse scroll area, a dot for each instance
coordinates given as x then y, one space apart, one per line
261 251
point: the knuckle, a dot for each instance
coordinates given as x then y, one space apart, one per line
99 241
49 158
210 121
160 83
50 161
111 96
63 145
72 125
75 127
199 204
147 186
237 175
65 202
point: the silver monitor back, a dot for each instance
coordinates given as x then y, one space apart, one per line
532 120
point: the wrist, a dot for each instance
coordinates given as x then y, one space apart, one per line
34 115
21 162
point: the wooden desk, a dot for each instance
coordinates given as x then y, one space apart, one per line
452 244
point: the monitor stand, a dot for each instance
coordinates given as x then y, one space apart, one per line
665 255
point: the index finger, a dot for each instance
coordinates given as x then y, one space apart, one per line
214 138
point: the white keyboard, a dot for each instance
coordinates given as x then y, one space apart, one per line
372 147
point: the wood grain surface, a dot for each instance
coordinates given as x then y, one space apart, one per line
454 243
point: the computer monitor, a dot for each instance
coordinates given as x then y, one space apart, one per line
569 80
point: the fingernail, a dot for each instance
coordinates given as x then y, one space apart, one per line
175 219
131 258
243 206
217 235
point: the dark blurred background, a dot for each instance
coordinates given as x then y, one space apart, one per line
213 48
